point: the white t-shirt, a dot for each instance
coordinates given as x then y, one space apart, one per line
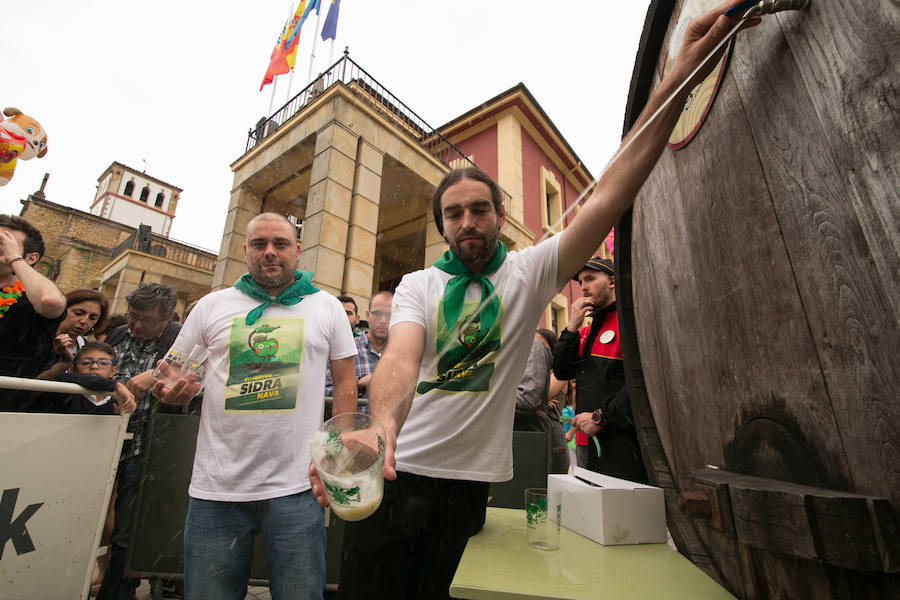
262 398
460 423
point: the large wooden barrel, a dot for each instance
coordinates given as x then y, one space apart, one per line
759 299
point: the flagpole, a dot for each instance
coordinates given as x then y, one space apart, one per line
272 99
287 97
312 56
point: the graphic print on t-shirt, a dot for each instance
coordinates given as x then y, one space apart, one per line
263 366
462 351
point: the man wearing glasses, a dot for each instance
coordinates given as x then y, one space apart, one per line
139 344
370 346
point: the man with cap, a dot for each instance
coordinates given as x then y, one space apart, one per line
591 355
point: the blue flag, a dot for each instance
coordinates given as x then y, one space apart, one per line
329 29
312 5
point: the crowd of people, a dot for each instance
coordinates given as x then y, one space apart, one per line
443 363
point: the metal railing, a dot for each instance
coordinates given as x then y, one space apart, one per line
144 240
366 87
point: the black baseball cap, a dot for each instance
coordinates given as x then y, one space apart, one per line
604 265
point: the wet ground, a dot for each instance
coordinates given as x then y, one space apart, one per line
254 593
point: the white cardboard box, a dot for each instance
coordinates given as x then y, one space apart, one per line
610 511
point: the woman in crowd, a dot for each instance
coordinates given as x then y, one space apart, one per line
86 312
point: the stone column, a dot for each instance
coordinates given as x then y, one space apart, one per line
325 228
359 262
129 279
243 206
435 244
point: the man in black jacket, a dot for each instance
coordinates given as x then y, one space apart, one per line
602 424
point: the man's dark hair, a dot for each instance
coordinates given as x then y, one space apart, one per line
548 335
454 177
100 347
148 296
349 299
34 241
85 295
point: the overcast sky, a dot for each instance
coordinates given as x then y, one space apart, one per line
176 84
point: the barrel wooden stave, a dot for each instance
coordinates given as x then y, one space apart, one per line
775 357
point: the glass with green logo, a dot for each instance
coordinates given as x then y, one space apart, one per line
348 452
543 510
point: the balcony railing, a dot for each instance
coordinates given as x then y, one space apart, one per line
361 83
367 88
144 240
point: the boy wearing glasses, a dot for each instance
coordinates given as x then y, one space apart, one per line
93 367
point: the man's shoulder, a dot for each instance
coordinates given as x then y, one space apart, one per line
532 260
319 300
118 335
227 299
362 343
426 273
543 247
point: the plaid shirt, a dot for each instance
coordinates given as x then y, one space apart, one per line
365 360
134 357
366 357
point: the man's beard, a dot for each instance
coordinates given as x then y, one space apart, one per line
267 283
482 252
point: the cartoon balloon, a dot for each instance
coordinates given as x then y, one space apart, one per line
21 138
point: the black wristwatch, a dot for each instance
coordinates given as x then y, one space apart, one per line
598 419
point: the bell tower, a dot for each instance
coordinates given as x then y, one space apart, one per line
133 198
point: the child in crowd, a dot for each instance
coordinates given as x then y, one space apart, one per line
93 367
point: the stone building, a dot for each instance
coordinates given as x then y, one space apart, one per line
89 250
357 168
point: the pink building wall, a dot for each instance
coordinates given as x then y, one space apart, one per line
482 147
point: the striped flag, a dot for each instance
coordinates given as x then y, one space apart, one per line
291 46
277 61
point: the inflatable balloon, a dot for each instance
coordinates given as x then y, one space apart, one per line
21 138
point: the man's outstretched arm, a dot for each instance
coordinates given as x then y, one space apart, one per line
393 384
391 392
617 188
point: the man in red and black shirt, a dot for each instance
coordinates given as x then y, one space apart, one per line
591 356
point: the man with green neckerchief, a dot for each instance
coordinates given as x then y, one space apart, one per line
466 328
269 337
461 331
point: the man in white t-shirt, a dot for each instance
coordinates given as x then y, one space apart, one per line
460 335
269 338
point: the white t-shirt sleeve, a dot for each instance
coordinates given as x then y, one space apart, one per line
409 302
545 268
192 331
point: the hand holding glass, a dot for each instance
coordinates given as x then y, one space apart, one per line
181 364
348 452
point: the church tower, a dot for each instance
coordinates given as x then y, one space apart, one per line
133 198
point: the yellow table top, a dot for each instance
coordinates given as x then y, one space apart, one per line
499 564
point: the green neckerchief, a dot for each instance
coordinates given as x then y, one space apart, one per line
291 295
455 292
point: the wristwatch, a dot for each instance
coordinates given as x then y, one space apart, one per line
598 419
